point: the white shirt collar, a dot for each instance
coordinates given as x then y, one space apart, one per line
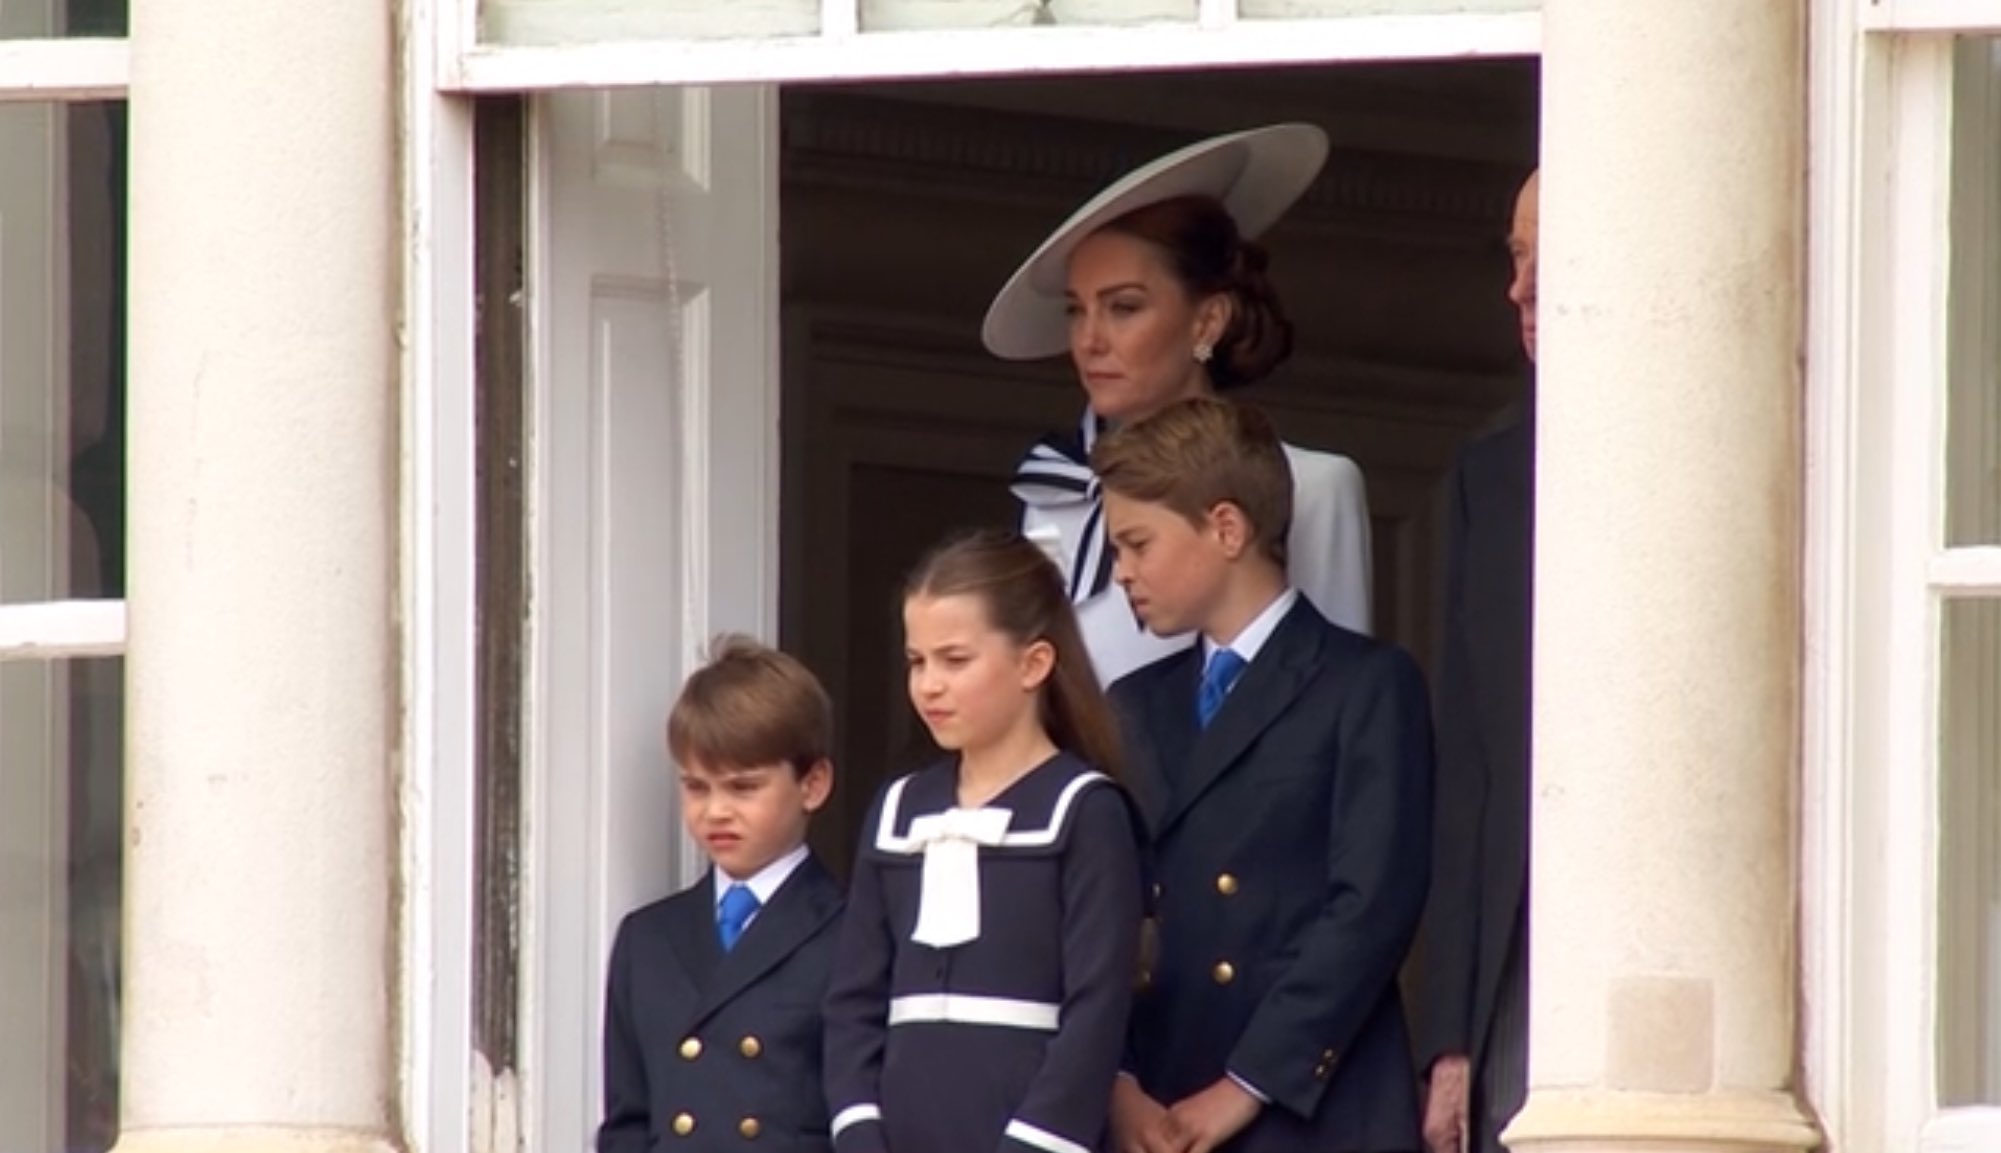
1254 635
767 880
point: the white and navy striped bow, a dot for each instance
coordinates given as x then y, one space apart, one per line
1056 473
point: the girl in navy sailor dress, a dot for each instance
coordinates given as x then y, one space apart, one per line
985 970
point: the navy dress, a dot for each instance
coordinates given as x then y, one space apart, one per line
1008 1041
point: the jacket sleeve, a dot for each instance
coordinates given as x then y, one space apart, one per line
627 1123
857 1009
1377 868
1065 1107
1451 934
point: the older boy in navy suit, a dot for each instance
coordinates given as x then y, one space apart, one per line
712 1013
1284 765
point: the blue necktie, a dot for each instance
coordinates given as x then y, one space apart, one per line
1224 667
738 906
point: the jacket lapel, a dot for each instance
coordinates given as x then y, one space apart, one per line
1167 726
1261 696
694 935
802 906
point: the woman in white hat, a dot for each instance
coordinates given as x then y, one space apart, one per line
1157 291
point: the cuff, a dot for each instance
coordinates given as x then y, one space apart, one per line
857 1129
1263 1097
1020 1135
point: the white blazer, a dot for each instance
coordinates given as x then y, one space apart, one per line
1327 550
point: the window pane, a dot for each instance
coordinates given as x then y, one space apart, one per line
1307 9
1969 1021
599 21
62 351
898 15
43 19
1973 407
61 883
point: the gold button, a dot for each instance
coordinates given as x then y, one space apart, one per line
749 1128
1225 972
1156 890
1327 1056
1145 978
691 1048
751 1047
1226 885
1320 1072
684 1125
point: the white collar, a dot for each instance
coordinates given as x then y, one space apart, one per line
1254 635
767 880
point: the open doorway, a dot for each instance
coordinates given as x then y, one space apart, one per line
903 207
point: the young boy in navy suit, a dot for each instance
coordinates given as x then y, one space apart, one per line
1284 765
712 1011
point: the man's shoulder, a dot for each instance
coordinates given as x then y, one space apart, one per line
1501 446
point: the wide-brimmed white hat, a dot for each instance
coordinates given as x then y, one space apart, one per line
1256 175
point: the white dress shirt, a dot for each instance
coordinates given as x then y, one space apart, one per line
764 884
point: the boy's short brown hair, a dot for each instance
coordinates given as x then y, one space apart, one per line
1198 453
751 705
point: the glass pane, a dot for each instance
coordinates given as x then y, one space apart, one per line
1969 1021
1973 406
1308 9
62 351
44 19
900 15
600 21
61 889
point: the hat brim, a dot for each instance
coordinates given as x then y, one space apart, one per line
1256 175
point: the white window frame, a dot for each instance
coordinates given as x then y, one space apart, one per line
1879 572
1970 17
438 510
841 52
62 72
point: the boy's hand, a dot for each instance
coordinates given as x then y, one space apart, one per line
1141 1124
1445 1105
1215 1115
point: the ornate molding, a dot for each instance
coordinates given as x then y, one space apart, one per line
876 141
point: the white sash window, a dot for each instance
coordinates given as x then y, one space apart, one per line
1904 801
62 616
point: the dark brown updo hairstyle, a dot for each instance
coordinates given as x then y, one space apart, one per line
1023 596
1208 256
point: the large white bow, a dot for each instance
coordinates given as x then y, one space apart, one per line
948 904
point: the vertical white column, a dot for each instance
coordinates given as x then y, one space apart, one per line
1663 958
262 664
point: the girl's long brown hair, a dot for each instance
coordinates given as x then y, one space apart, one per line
1024 597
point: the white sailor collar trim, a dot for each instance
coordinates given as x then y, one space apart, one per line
889 840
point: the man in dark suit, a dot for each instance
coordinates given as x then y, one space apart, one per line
1284 766
712 1010
1473 984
